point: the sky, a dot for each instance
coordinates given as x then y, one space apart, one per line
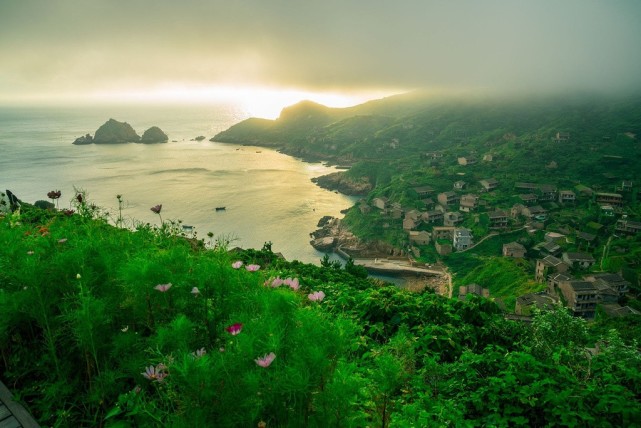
338 51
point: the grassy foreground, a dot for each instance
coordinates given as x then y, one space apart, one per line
101 326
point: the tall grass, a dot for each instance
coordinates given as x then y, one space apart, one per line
87 307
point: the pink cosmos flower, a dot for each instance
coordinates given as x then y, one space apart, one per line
252 268
237 264
316 296
266 360
155 374
156 209
163 287
277 282
195 291
234 329
293 283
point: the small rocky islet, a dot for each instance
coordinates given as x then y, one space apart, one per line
115 132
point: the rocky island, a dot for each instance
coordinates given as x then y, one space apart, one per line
115 132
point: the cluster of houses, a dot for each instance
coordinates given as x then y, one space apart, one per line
440 223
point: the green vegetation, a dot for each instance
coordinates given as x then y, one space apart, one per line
584 144
101 326
505 278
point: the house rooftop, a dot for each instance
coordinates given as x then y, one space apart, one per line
559 277
498 214
610 277
551 247
528 197
514 245
526 185
586 236
582 286
538 300
551 261
579 257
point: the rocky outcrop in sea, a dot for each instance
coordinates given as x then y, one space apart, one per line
154 135
115 132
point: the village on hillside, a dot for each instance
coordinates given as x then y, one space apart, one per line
566 256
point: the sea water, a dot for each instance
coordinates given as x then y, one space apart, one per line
268 196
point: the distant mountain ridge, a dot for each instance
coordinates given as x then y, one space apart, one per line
415 122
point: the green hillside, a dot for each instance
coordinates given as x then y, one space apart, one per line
101 326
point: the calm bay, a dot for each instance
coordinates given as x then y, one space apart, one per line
268 196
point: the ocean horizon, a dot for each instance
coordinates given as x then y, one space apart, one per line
268 196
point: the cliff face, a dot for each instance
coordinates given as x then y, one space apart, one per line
114 132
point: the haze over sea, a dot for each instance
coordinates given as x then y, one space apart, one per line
268 195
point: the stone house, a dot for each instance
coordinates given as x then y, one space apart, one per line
551 247
489 184
578 260
452 218
547 192
423 191
429 203
419 237
554 281
615 281
609 198
529 198
448 199
567 196
443 232
517 210
628 226
626 186
380 203
442 249
462 239
475 289
468 203
433 216
513 249
585 237
581 297
396 212
528 187
535 211
413 214
498 219
525 303
467 160
409 223
562 136
549 265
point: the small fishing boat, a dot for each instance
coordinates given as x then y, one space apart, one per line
220 208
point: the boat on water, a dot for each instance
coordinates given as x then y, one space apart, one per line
221 208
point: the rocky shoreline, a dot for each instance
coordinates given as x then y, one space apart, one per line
339 181
333 236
